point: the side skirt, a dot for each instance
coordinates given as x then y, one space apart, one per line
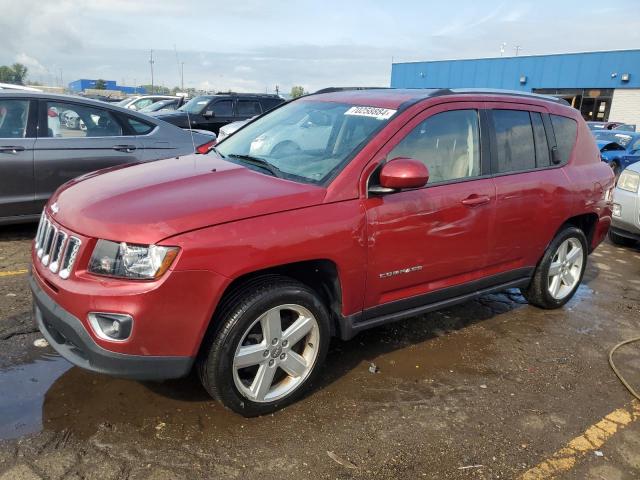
351 325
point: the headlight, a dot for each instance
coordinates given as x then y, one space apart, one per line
629 181
142 262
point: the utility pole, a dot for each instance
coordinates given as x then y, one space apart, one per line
182 76
135 85
502 46
517 48
277 90
151 64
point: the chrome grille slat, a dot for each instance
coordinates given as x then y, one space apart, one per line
56 248
69 257
48 246
47 235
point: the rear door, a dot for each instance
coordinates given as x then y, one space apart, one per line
18 118
532 193
89 138
247 108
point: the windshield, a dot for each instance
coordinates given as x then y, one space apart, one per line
154 107
124 102
196 104
610 136
307 140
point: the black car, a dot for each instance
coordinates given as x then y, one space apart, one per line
210 112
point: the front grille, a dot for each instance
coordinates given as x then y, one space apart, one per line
56 248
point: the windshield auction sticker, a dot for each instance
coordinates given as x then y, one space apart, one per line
372 112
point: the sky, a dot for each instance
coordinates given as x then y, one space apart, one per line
252 46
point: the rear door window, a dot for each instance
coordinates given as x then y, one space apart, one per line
515 150
79 121
140 127
249 108
14 115
565 130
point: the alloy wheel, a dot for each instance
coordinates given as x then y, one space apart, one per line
566 267
276 353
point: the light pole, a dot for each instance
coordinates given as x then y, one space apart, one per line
182 76
151 65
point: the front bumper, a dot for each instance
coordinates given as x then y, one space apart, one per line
68 336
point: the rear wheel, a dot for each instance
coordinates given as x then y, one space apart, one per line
272 339
560 271
620 240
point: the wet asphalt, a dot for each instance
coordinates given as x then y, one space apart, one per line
487 389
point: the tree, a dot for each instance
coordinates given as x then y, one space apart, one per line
297 91
100 84
19 73
16 73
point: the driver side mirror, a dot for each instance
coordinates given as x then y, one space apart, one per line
209 114
401 173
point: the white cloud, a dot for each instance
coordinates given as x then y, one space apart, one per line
34 66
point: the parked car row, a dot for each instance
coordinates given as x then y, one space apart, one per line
46 140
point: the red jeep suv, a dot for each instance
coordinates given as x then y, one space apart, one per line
329 215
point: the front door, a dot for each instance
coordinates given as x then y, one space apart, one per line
428 239
16 157
217 114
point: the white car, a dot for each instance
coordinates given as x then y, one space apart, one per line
625 218
232 127
140 101
310 133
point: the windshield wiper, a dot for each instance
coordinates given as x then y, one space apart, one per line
259 162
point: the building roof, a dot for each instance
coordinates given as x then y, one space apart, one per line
589 70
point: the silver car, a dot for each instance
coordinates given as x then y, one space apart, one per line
625 219
46 140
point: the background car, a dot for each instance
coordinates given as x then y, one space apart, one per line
141 101
618 148
625 218
627 127
79 136
230 128
172 104
211 112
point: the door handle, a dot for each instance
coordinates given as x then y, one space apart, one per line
13 149
124 148
476 200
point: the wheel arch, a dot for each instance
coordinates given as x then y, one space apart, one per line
586 222
321 275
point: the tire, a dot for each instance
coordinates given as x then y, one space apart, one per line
549 292
239 338
620 240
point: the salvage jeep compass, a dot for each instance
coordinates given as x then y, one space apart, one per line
331 214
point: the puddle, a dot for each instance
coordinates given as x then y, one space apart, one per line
22 391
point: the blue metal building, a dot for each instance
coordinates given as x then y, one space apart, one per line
85 84
600 84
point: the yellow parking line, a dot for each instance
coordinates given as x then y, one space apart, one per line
592 439
14 272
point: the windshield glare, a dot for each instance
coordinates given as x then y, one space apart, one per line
609 136
196 104
307 140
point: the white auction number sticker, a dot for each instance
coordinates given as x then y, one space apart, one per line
373 112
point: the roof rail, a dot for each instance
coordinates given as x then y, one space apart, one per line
345 89
497 91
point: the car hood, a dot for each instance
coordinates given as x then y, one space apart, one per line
175 117
149 202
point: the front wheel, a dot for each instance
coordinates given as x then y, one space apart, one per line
560 271
268 348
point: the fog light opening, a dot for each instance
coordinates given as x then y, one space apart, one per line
115 327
